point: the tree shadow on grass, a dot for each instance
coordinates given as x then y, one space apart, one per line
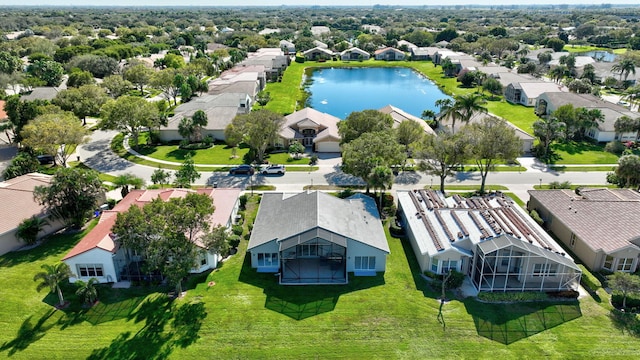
28 333
180 154
626 322
166 326
508 323
304 301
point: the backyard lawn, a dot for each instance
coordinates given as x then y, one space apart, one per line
582 153
247 315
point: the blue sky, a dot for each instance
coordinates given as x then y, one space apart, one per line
298 2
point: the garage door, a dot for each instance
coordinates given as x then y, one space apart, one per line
328 146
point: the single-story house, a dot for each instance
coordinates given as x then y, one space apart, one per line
423 53
600 226
319 30
373 29
318 53
16 197
389 54
490 239
605 131
287 47
316 238
99 254
581 61
526 93
526 139
442 54
220 110
400 115
354 54
603 71
406 44
311 128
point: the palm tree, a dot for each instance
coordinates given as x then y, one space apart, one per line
464 107
548 130
625 67
126 180
625 124
29 229
52 277
632 95
558 73
381 177
88 290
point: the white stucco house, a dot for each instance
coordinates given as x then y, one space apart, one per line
354 54
316 238
389 54
99 255
311 128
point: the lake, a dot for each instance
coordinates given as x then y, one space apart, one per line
341 91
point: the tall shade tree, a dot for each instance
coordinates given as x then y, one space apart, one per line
629 169
258 129
88 290
625 283
52 277
130 115
116 85
83 101
19 113
48 71
409 132
492 141
165 232
440 155
360 122
165 80
138 74
58 134
548 130
72 195
79 78
216 240
372 149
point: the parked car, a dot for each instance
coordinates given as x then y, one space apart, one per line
46 159
242 169
273 169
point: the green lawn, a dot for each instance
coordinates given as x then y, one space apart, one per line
519 115
247 315
582 153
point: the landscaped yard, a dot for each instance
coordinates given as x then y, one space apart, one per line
248 315
582 153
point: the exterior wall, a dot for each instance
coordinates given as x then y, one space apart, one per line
622 254
97 257
270 247
169 135
216 134
10 242
328 146
527 145
356 248
212 262
423 259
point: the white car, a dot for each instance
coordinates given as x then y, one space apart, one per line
273 169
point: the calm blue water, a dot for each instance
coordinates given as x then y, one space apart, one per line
600 55
340 92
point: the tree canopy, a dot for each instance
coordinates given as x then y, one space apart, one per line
441 155
360 122
258 129
130 115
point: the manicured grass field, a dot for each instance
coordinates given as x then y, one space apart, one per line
582 153
247 315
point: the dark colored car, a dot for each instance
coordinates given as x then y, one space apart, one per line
46 159
242 169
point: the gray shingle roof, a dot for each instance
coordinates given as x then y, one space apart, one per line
283 215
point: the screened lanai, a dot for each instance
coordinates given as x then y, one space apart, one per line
508 264
314 257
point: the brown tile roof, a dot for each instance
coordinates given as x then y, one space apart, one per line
605 219
16 197
224 201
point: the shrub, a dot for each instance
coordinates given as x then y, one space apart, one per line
613 178
536 217
588 280
111 203
299 59
567 294
237 229
455 280
633 301
243 201
389 211
512 296
560 185
614 147
234 241
431 274
346 193
394 228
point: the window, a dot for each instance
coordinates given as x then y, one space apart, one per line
90 270
625 264
434 265
545 269
268 259
449 264
608 263
365 263
572 242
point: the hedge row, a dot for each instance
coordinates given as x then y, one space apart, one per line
512 296
588 280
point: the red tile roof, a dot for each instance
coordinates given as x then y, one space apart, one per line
3 114
224 201
16 197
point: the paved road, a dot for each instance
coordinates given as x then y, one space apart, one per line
98 155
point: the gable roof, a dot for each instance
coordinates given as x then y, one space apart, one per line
326 121
400 115
100 237
604 219
283 215
42 93
535 88
386 49
19 192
